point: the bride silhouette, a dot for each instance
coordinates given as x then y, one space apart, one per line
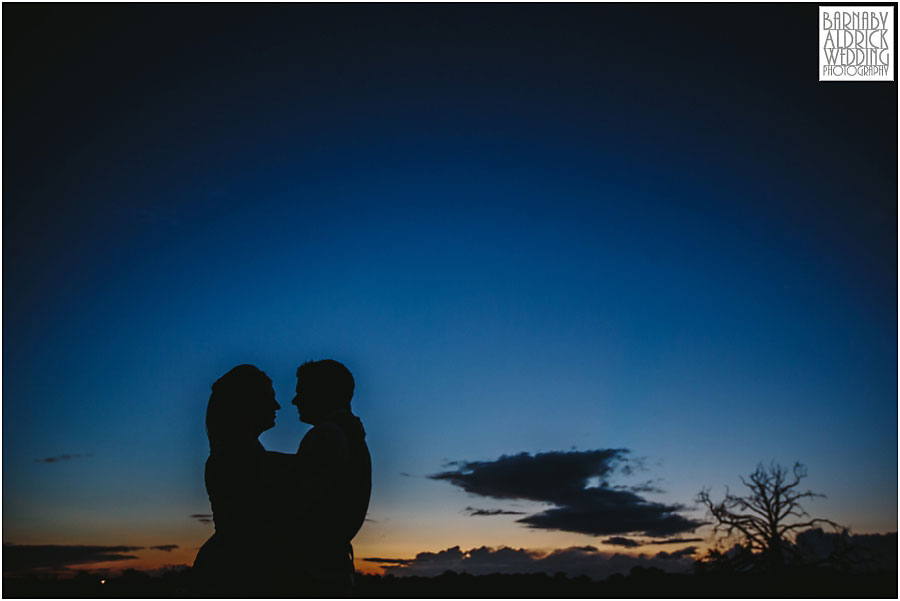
240 483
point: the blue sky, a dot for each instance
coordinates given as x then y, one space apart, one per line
513 248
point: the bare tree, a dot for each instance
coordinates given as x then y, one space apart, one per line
770 515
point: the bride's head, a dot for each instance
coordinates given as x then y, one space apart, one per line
241 407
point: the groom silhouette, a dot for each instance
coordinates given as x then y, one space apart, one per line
331 485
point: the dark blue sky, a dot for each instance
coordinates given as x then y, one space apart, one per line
523 227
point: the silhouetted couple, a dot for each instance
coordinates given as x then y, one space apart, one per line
283 522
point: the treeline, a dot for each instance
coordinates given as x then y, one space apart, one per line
798 582
129 583
639 583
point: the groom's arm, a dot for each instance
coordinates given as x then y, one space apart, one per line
278 490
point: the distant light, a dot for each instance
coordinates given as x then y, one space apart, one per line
103 582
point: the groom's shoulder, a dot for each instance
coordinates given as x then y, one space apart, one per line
327 435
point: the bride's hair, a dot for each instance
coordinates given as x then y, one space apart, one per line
232 402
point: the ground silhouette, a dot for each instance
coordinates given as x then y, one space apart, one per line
638 583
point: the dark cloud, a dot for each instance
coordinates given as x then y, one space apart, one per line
475 511
621 541
644 487
385 560
18 558
573 561
563 480
554 476
63 457
206 518
672 541
686 552
166 548
598 511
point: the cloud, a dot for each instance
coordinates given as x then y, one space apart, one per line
621 541
686 552
475 511
206 518
60 557
166 548
573 561
552 476
63 457
599 511
672 541
563 479
384 560
648 486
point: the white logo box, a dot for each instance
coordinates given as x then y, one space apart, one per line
856 43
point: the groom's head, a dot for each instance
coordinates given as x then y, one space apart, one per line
323 387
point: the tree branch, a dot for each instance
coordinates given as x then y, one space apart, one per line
759 516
